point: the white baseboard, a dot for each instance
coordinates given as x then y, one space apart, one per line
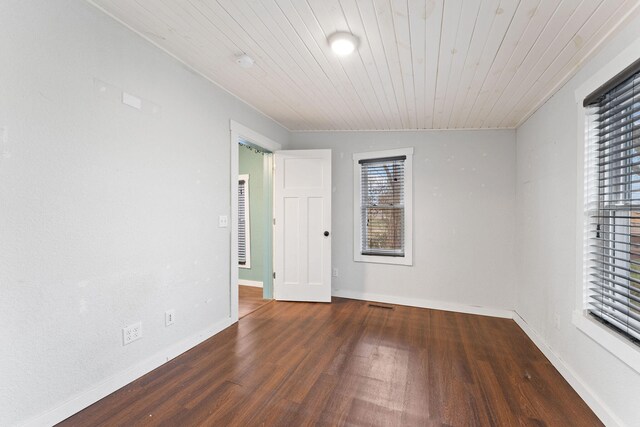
119 380
253 283
584 391
423 303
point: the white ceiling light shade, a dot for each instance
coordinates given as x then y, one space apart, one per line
343 43
244 60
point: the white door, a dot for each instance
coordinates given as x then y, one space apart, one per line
302 239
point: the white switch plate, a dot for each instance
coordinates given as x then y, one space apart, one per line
169 317
131 333
223 221
334 272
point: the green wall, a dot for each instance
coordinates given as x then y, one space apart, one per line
251 163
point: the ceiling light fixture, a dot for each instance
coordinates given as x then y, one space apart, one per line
244 60
343 43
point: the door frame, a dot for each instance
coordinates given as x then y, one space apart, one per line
237 132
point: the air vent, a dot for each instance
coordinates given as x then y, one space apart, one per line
381 305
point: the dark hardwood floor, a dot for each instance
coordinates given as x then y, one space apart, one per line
346 363
249 300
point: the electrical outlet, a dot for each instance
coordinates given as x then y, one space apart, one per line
223 221
131 333
170 317
334 272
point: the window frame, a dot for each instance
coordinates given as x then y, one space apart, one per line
247 221
610 340
407 259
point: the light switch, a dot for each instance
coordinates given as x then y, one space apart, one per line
223 221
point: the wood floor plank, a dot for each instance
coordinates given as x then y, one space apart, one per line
249 299
348 363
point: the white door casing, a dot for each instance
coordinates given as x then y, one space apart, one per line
302 205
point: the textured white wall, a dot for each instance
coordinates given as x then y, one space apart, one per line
108 215
464 207
547 185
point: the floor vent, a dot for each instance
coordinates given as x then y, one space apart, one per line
381 305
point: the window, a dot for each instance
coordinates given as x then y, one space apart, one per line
382 206
613 203
244 234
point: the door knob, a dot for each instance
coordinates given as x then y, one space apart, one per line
326 233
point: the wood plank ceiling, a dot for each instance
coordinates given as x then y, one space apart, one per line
420 64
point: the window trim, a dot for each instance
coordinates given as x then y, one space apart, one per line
247 221
407 259
612 341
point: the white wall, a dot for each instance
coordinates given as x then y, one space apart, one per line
547 186
464 207
108 215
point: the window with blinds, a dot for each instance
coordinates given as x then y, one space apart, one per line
243 222
382 206
613 153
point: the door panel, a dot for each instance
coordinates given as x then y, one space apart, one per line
316 239
291 247
302 204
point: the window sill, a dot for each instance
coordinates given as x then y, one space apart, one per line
376 259
609 340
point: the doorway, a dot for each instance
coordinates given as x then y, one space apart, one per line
255 250
251 220
298 240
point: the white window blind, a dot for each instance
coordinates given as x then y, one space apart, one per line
382 206
613 154
243 222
